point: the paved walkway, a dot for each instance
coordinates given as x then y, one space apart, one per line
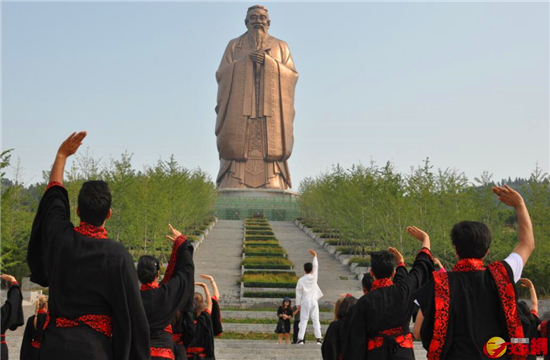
270 350
334 278
220 256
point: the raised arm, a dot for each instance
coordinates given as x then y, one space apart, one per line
213 284
67 148
207 296
526 239
315 263
532 292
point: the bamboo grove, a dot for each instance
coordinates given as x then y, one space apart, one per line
370 207
143 203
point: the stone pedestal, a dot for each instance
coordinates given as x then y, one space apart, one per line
274 205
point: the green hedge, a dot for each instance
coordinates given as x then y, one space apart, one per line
272 250
360 261
266 254
259 237
192 238
261 266
270 280
268 294
259 232
258 227
262 243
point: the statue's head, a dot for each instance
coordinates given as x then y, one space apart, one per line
257 17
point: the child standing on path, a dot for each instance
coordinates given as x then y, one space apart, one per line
284 313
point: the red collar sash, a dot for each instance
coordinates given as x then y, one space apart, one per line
91 231
506 293
149 286
41 311
469 265
381 283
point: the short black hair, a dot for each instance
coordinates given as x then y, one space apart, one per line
382 264
348 302
147 268
472 239
367 281
308 267
94 202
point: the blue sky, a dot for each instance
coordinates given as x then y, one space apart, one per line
466 84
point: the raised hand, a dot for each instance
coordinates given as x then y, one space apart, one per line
202 285
71 144
312 252
508 196
526 283
398 257
207 277
8 278
420 235
438 263
175 233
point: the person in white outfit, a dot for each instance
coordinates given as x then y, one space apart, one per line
307 295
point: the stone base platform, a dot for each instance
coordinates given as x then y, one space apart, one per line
273 204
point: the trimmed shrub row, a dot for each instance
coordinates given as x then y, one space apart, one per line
268 294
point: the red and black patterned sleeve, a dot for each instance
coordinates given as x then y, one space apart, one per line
12 310
52 217
176 259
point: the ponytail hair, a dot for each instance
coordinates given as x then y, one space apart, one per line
147 268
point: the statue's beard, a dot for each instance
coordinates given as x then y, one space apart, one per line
259 34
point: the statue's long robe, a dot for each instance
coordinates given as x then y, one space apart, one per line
237 101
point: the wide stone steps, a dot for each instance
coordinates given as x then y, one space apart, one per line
220 256
262 328
235 314
334 278
270 350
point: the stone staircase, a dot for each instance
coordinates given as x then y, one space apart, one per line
270 350
220 256
334 278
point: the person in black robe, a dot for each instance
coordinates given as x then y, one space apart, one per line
461 310
544 331
162 301
202 346
32 337
11 312
216 311
379 324
95 308
529 315
332 348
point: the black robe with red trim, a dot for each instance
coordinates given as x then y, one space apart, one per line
475 314
162 302
387 309
32 338
332 343
12 315
202 346
216 317
95 308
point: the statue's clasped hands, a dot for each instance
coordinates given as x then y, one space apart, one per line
257 56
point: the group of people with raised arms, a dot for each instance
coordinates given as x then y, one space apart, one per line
457 313
97 310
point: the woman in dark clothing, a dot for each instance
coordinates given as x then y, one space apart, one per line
333 343
30 346
162 301
284 313
12 312
202 346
